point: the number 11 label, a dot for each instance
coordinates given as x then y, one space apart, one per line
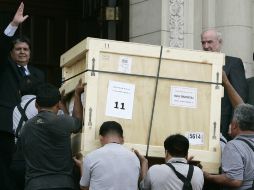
120 100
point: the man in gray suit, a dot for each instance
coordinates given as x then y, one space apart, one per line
211 40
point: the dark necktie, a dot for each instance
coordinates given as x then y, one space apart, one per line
22 71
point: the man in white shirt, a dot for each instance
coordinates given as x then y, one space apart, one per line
111 167
166 176
21 113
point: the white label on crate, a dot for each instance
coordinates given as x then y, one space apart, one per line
120 100
183 97
195 138
124 65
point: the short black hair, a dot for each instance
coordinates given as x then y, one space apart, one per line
28 85
47 95
111 127
177 145
20 39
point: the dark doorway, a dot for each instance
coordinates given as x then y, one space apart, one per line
54 26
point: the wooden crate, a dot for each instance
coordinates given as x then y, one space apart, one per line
152 91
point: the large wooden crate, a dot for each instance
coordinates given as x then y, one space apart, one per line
152 92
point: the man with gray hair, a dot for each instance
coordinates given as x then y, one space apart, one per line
211 40
238 154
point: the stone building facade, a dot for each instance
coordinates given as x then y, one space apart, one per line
179 23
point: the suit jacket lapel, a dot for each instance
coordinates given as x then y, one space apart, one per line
15 70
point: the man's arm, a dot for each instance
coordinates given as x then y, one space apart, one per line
234 97
16 21
63 103
79 163
19 17
5 37
233 169
85 171
143 164
78 159
78 108
223 180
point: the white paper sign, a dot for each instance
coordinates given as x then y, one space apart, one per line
120 100
195 138
124 65
183 97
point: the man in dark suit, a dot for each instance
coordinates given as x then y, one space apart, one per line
14 59
211 41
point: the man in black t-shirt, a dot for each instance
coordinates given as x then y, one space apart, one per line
46 141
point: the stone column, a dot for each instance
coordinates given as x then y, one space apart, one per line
173 23
176 23
192 23
159 22
208 9
146 21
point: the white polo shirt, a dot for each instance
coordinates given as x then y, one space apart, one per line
31 110
111 167
162 177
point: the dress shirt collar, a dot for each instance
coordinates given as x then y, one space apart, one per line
26 69
27 97
177 159
245 135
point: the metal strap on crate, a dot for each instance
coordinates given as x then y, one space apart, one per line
153 105
138 75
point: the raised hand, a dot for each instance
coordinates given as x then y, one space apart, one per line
224 78
62 103
19 17
78 108
79 88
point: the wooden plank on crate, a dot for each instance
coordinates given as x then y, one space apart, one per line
195 74
72 55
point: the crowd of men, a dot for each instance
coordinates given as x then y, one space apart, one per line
35 147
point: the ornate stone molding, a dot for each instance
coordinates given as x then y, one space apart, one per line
176 23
